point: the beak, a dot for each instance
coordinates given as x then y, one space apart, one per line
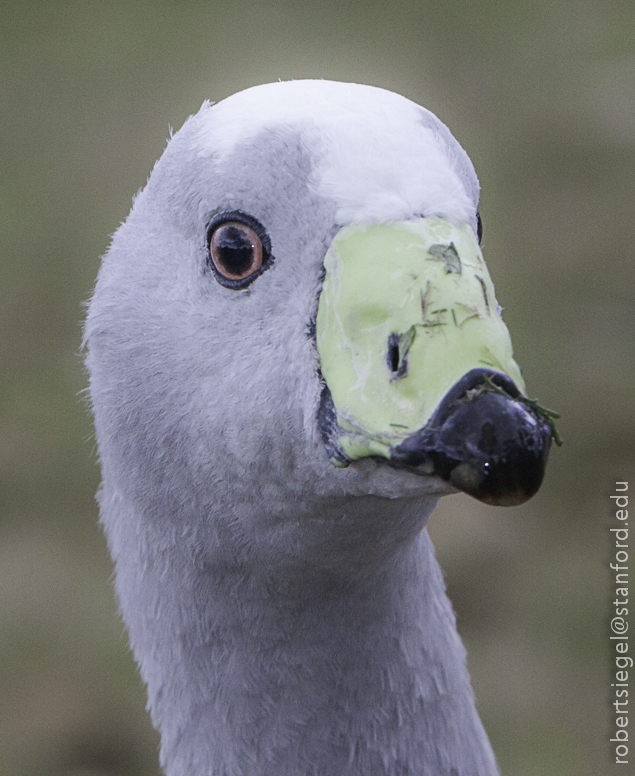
418 363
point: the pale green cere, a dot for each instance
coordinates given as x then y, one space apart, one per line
424 282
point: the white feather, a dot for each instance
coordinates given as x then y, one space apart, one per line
375 156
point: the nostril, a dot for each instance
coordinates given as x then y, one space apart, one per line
392 357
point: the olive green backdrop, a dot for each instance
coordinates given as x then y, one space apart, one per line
542 96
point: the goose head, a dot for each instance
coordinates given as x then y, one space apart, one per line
294 349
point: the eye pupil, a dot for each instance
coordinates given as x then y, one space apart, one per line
233 249
236 251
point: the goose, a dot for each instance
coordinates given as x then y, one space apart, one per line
294 350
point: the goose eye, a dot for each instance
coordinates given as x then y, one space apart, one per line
236 250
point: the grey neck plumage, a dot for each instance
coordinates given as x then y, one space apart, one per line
338 656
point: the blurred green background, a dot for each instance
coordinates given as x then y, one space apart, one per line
542 96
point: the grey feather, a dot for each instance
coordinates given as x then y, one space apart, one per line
288 618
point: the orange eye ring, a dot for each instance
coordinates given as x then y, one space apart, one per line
238 248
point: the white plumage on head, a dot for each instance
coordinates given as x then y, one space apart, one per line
377 155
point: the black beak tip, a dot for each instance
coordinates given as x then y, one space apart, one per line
484 441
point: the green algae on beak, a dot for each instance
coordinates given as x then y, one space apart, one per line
406 310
